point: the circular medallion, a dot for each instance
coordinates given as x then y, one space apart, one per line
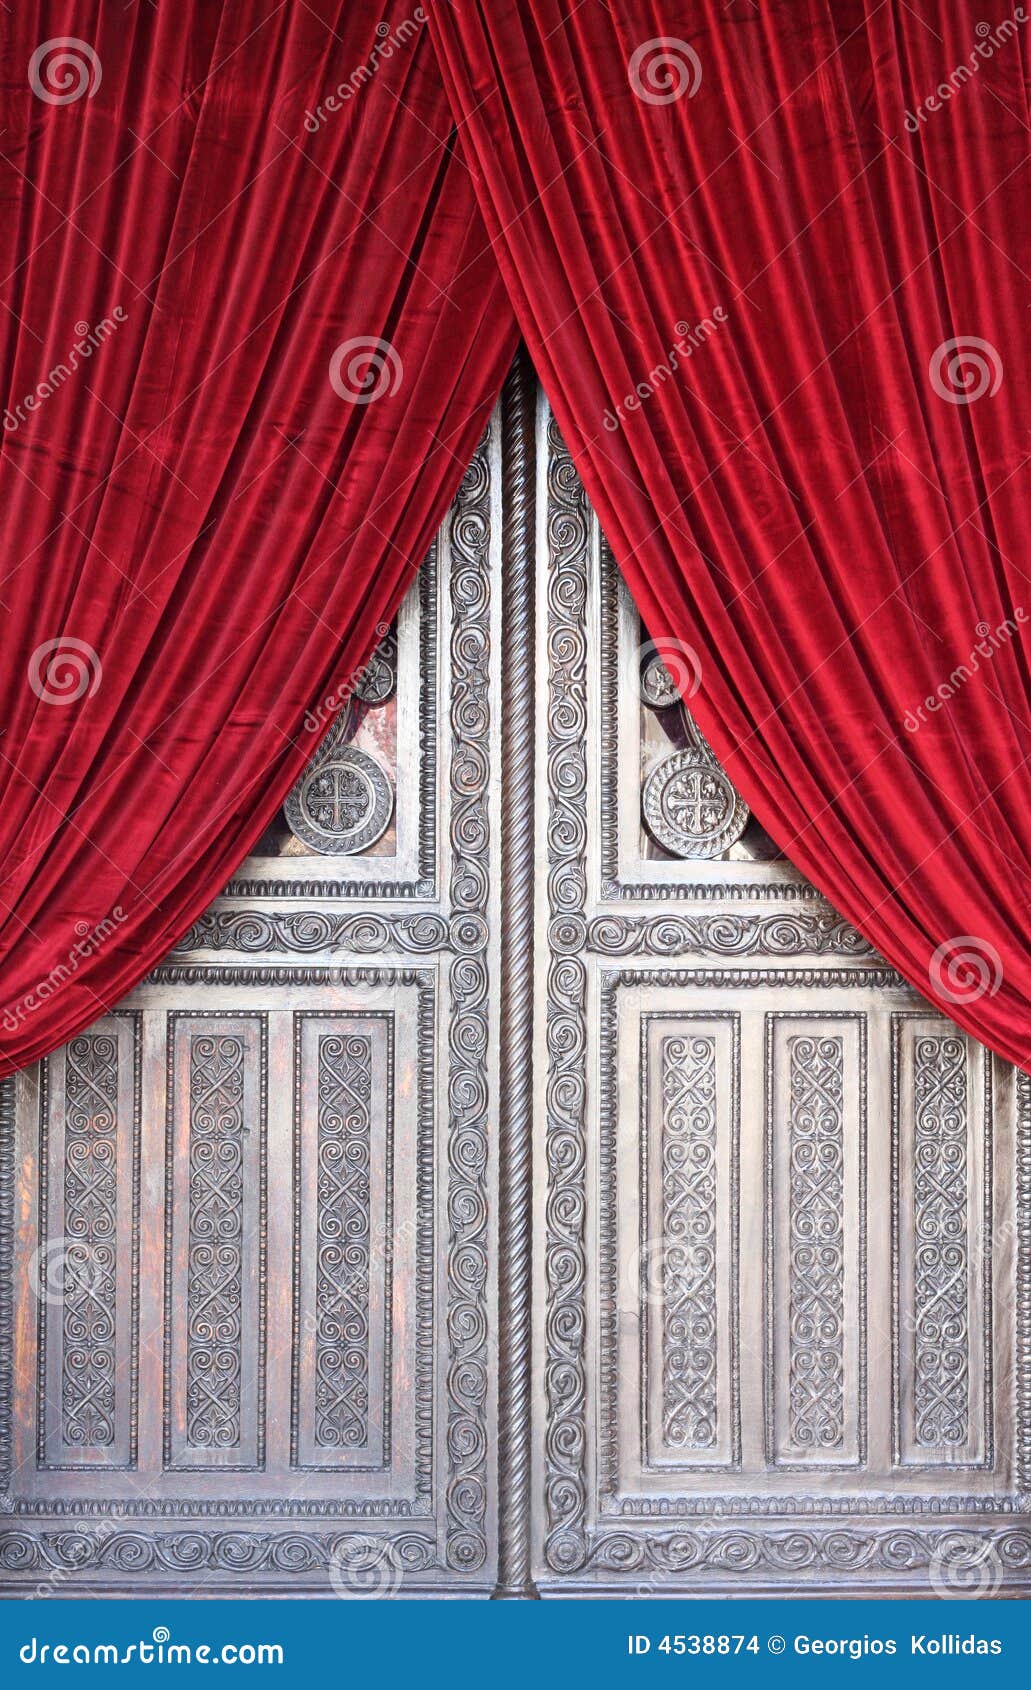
342 804
377 680
658 688
691 808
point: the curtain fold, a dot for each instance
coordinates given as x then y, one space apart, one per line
774 269
252 332
262 269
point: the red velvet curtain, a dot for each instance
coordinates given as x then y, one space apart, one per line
771 262
252 329
773 265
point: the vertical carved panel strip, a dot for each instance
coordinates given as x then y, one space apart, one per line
941 1314
469 981
86 1261
689 1266
816 1360
942 1239
214 1278
565 1383
215 1288
343 1220
91 1242
690 1360
816 1240
342 1284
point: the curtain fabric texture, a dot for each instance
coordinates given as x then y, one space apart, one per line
773 264
262 267
253 329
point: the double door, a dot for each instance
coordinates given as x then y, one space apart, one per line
520 1181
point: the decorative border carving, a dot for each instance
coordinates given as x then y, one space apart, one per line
904 1550
362 931
805 932
130 1553
565 1259
468 1092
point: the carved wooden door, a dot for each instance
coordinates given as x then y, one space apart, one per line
782 1226
519 1180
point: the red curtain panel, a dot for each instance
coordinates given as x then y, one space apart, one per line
252 329
773 263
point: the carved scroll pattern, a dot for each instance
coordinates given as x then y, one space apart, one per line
940 1195
816 1243
215 1245
689 1365
90 1263
342 1273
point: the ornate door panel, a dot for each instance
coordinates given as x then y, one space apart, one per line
249 1337
520 1179
782 1281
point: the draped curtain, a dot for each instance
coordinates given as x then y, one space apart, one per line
262 267
773 264
253 329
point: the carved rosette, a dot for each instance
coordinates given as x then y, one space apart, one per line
342 804
690 807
